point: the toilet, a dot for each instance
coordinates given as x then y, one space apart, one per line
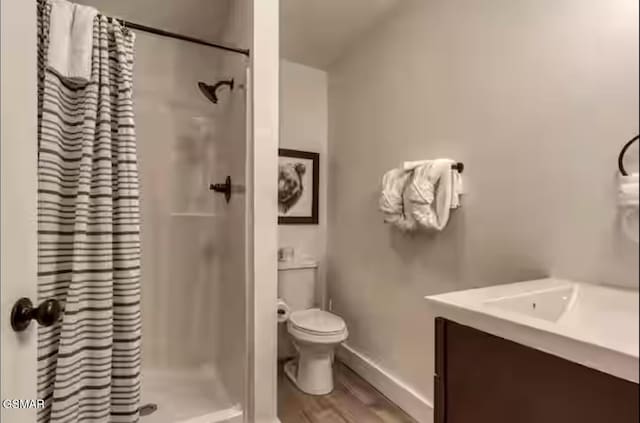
315 333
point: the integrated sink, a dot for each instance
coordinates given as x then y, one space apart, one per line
549 304
593 325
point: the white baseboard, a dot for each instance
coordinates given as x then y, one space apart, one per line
393 388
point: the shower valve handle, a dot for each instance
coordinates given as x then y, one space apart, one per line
223 188
46 314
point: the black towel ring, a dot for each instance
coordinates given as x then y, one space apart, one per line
622 153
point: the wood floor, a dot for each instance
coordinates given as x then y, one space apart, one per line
352 401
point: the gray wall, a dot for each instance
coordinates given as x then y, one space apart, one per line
304 126
536 98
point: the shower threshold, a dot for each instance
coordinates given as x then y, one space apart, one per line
230 415
187 396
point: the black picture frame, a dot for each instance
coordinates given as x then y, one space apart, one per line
312 219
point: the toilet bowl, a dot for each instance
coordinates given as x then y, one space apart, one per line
315 335
311 335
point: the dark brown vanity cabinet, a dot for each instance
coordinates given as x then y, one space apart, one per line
481 378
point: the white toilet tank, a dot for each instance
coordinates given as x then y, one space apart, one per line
297 283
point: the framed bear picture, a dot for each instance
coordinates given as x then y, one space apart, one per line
298 187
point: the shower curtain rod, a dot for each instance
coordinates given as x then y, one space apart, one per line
163 33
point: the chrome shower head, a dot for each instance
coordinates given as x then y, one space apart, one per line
210 91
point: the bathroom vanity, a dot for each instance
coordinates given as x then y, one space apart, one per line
545 351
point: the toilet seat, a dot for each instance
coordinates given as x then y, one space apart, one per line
315 325
317 322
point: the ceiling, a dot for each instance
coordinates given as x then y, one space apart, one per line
312 32
317 32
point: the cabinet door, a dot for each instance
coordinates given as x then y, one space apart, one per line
482 378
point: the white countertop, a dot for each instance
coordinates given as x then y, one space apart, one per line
593 325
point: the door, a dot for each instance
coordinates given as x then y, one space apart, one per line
18 198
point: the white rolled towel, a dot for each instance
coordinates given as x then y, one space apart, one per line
391 201
629 190
70 49
420 184
435 188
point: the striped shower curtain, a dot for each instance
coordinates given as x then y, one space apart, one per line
88 234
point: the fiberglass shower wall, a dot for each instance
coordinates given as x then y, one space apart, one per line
193 241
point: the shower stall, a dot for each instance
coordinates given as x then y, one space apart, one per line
190 103
208 327
194 286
